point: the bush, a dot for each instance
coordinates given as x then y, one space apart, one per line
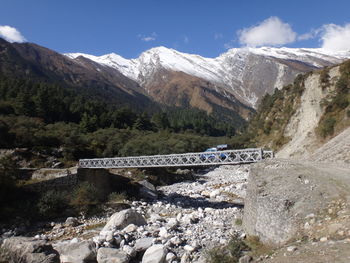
341 101
238 222
53 204
117 197
8 172
228 254
219 255
85 198
327 127
324 78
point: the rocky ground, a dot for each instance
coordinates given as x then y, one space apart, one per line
293 212
186 220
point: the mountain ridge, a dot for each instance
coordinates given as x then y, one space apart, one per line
230 71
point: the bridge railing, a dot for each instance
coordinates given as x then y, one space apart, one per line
185 159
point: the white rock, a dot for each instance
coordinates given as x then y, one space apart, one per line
307 225
154 218
208 209
109 237
172 223
179 216
215 193
323 239
163 232
189 248
205 193
129 250
176 240
189 232
143 243
77 252
185 257
291 248
112 255
71 221
74 240
154 254
124 218
118 239
130 228
170 257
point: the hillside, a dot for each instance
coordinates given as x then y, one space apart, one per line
31 61
300 118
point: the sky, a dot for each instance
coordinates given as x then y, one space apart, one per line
204 27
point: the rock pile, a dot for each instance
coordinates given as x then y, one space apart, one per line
185 220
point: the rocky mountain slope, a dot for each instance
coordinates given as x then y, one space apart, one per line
302 117
315 122
31 61
242 73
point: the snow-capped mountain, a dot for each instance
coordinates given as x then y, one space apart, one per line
243 73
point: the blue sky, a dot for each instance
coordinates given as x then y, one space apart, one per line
204 27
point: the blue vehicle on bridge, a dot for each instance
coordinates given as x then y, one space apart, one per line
210 153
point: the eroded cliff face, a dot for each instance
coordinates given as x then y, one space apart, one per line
303 124
302 120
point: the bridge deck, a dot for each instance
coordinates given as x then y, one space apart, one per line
177 160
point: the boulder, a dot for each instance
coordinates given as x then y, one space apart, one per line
71 221
143 243
245 259
111 255
122 219
148 190
81 252
28 250
172 223
281 194
130 228
170 257
155 254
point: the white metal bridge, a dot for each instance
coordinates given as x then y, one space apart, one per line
180 160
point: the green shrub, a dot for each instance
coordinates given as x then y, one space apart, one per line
117 197
238 221
228 254
85 198
53 204
327 127
8 174
324 78
219 255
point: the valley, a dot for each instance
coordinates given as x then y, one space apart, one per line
56 109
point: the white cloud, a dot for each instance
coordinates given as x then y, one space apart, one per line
11 34
149 38
306 36
271 32
335 37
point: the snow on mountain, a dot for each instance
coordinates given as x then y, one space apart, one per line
232 70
